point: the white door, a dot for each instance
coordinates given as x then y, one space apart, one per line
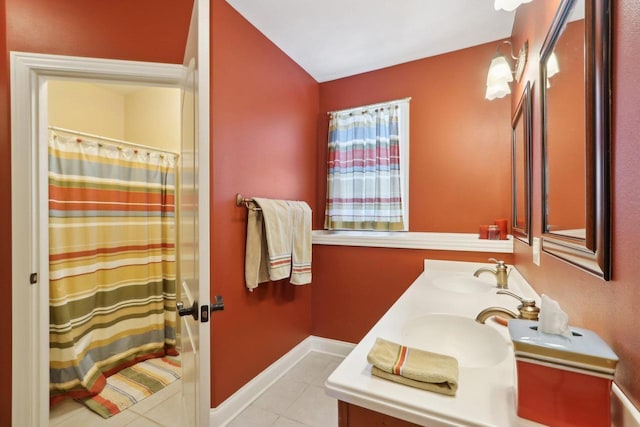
193 236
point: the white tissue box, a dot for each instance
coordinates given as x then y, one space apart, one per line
562 381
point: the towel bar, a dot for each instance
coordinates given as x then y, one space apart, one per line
248 202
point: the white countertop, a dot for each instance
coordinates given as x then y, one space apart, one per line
485 396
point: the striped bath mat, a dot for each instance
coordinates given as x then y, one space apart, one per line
133 384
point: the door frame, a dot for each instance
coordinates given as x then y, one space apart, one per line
30 245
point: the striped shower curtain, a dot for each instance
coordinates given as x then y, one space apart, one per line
363 182
111 261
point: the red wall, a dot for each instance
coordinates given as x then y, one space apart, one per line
460 177
608 308
264 110
355 286
460 156
145 30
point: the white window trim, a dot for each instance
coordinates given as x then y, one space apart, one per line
403 135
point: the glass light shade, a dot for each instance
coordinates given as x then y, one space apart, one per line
552 65
499 71
509 5
497 90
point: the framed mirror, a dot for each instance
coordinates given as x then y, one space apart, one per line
575 110
521 167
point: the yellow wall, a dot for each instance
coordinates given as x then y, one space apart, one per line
139 114
86 107
153 117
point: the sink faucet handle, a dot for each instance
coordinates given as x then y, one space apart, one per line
501 266
518 297
528 309
499 263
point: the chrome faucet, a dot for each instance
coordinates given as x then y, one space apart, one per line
501 272
527 309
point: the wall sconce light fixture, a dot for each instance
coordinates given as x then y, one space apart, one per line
500 74
509 5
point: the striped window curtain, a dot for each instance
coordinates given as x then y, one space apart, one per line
112 278
364 189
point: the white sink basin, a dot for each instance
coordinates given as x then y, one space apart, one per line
474 345
465 283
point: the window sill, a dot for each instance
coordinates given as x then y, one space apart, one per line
468 242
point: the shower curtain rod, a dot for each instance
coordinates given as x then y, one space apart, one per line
116 141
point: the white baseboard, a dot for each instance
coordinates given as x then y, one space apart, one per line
225 412
624 414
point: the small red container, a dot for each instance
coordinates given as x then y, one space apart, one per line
562 381
502 224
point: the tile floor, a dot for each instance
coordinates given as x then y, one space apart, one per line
297 399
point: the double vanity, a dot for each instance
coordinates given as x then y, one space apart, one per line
438 313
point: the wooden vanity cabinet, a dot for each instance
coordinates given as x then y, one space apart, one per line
356 416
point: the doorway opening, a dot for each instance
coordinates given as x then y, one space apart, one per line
130 230
29 209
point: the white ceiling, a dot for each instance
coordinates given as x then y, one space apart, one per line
332 39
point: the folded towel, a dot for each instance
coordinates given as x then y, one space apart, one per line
301 243
278 227
256 260
413 367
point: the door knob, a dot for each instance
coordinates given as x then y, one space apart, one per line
218 305
189 311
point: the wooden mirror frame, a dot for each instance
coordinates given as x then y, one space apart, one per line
522 115
593 253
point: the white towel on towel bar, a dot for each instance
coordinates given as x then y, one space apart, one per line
256 265
278 242
301 244
278 222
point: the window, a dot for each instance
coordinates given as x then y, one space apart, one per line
368 168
